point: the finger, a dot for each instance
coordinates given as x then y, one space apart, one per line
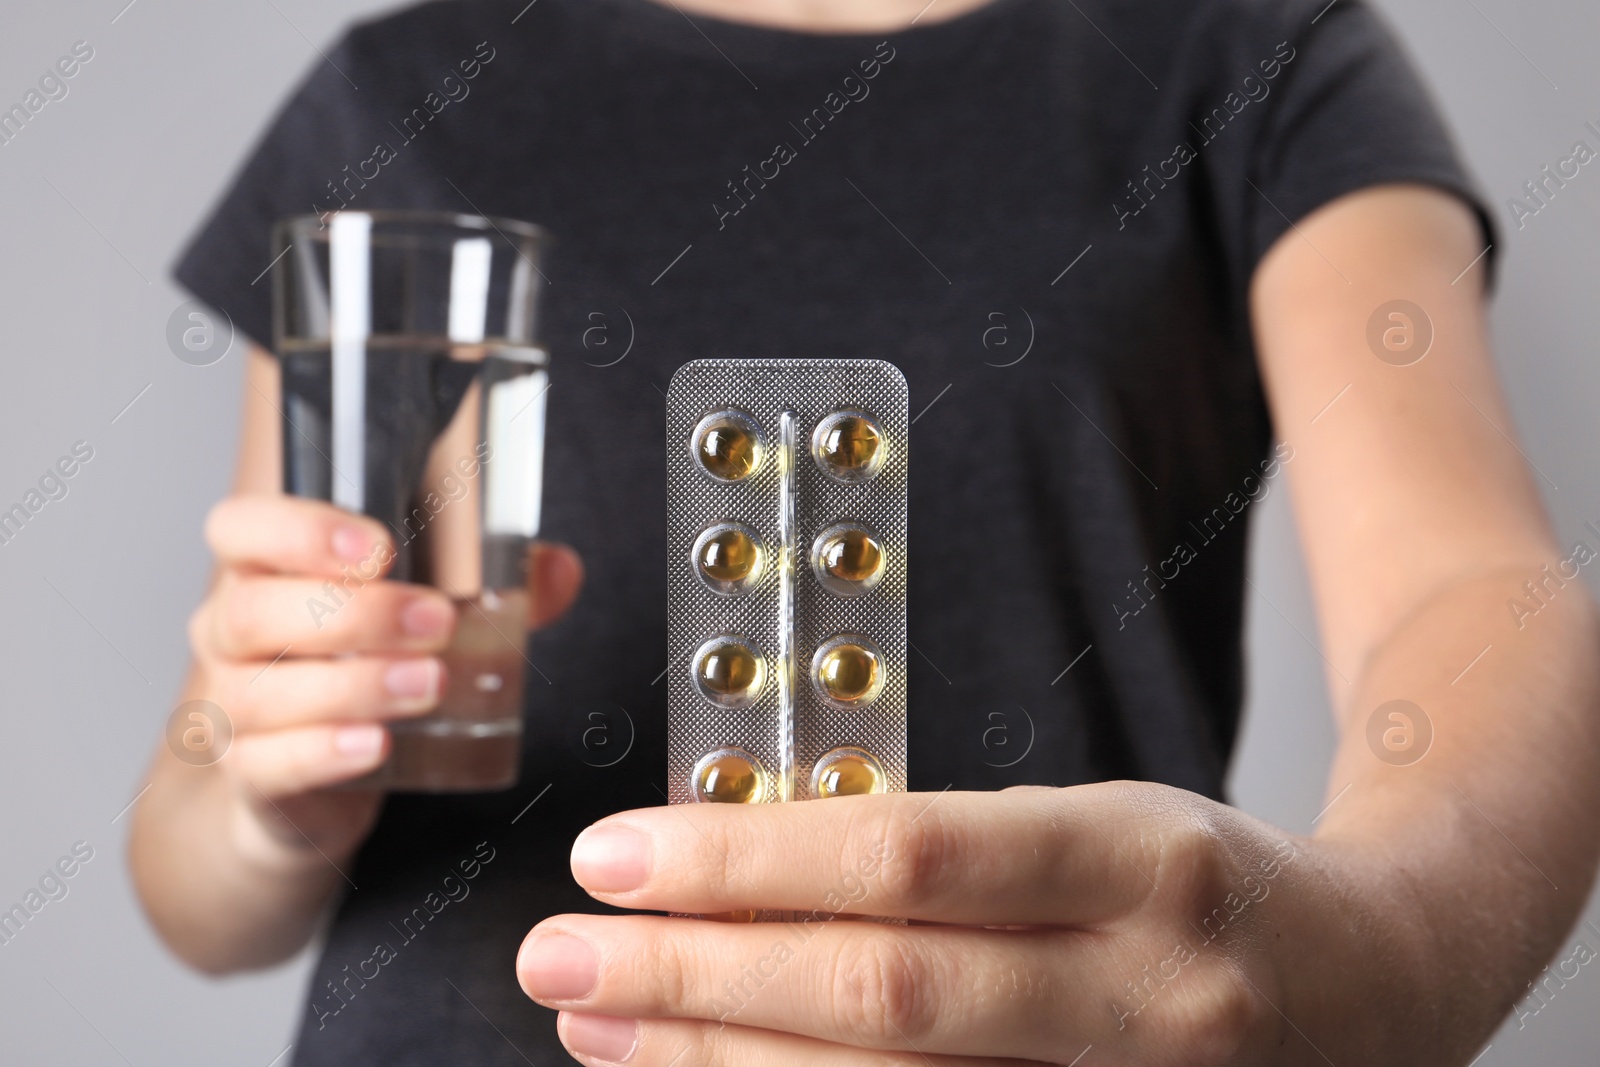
598 1040
1064 856
255 617
949 989
297 760
296 692
293 535
555 574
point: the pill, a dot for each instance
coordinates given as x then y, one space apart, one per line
728 557
847 772
729 672
728 445
847 559
848 445
848 671
728 776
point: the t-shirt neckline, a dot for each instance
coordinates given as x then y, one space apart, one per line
658 24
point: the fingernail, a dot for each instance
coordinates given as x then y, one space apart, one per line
558 967
363 740
351 543
611 859
599 1037
427 617
412 678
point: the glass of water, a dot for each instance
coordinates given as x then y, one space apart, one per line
414 392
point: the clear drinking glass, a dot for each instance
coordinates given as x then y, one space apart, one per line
414 392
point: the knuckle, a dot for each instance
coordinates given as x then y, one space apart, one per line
227 686
199 629
670 969
1191 866
714 870
915 850
237 616
1211 1020
217 522
710 1045
883 992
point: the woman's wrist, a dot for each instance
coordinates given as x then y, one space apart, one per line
271 842
1366 973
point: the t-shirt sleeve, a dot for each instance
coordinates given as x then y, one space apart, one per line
313 137
1348 111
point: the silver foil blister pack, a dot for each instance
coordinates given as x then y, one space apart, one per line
786 635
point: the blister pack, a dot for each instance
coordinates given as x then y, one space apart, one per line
786 635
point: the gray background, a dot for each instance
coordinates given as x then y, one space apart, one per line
95 197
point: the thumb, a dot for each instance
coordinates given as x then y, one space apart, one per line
555 574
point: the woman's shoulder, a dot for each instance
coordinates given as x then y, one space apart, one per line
441 46
436 34
418 30
1208 23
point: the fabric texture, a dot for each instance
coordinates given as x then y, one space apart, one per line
1049 224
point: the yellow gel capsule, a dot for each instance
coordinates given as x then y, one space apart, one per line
727 778
848 446
728 446
846 773
849 673
729 672
847 559
728 558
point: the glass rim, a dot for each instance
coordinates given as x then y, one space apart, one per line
297 224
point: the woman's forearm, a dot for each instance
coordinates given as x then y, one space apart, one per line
223 894
229 882
1473 810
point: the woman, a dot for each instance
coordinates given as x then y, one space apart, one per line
1196 227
